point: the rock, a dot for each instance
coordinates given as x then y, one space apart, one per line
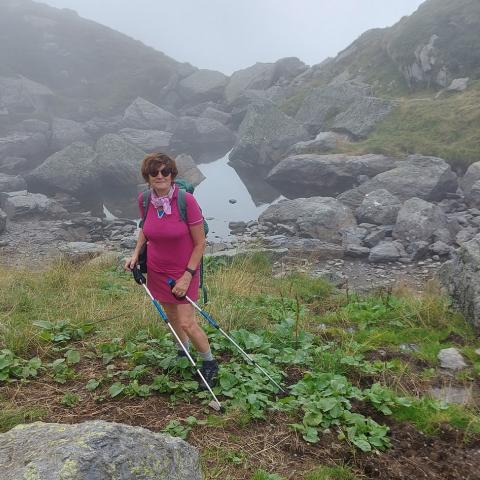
461 279
65 132
310 247
24 204
201 133
95 449
81 251
188 170
96 127
143 115
11 183
451 359
458 85
356 251
470 184
73 170
3 221
374 237
264 135
322 218
428 178
460 396
237 227
217 115
33 125
259 76
118 162
31 146
465 235
310 175
419 220
22 95
324 142
323 104
232 200
379 207
147 140
386 252
12 165
362 116
203 85
417 250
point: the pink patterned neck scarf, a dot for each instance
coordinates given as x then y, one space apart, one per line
163 202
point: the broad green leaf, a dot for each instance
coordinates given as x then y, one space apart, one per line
72 356
116 389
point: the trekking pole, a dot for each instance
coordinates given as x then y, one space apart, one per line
141 280
214 324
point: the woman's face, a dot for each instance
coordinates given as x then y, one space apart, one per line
160 177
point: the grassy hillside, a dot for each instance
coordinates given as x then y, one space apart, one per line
447 127
83 341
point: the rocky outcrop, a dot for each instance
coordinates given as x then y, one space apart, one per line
118 162
3 221
327 175
73 170
12 165
65 132
428 178
22 95
322 218
264 135
147 140
95 449
24 204
32 146
324 142
217 115
203 85
144 115
462 281
11 183
188 170
379 207
470 184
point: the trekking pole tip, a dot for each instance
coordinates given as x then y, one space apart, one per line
216 406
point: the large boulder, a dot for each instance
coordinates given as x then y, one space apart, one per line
188 170
65 132
470 186
461 278
32 146
118 162
264 135
203 134
203 85
379 207
419 220
22 95
428 178
217 115
323 218
72 170
95 450
25 204
323 104
11 183
147 140
324 142
12 165
144 115
3 221
312 175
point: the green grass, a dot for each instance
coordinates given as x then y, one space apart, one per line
447 127
11 415
331 473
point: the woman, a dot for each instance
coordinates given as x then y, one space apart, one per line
175 249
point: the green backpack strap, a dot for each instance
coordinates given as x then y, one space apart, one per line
182 210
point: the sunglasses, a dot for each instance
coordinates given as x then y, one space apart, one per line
165 172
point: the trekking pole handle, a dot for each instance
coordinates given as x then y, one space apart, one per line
171 282
138 275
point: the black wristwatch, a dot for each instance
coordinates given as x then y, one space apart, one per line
191 271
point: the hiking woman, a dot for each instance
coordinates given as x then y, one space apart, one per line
175 249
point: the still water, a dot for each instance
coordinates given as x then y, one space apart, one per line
224 183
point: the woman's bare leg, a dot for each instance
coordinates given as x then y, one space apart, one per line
185 318
171 311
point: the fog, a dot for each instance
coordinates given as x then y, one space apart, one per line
229 35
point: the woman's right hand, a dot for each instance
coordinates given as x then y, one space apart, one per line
131 262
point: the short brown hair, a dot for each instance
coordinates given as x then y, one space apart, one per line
152 162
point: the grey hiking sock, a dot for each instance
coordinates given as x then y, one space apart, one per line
206 356
186 344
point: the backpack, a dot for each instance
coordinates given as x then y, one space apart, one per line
183 187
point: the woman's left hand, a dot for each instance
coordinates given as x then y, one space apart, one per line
181 285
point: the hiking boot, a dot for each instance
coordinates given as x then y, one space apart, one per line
209 371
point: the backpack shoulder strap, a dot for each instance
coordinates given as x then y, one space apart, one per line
145 205
182 204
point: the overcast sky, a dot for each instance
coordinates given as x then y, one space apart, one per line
229 35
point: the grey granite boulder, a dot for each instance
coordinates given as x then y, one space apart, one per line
144 115
458 85
264 135
451 359
32 146
313 175
322 218
203 85
379 207
95 450
188 170
147 140
11 183
21 95
428 178
460 276
24 204
12 165
65 132
217 115
470 186
386 252
3 221
419 220
73 170
118 161
324 142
